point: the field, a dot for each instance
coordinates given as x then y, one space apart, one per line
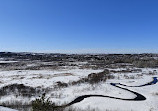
82 82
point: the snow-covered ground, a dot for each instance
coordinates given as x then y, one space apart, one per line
150 92
8 61
43 78
48 78
6 109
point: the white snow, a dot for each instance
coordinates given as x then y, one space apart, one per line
48 78
69 94
6 109
44 78
8 61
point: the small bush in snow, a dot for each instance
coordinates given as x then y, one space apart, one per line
43 104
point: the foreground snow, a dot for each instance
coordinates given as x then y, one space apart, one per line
48 78
6 109
67 95
150 104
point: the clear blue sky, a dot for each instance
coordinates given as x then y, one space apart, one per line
79 25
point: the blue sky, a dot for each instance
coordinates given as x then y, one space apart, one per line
84 26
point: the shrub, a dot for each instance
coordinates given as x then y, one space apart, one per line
145 63
61 84
98 77
94 78
43 104
19 90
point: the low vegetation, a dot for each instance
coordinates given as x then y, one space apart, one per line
43 104
145 63
19 90
92 78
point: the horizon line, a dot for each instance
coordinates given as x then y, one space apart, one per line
72 52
